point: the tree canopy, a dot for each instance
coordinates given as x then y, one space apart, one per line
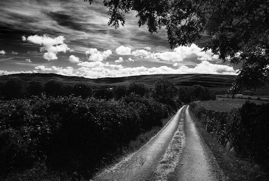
238 30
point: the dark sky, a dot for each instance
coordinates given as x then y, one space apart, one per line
71 37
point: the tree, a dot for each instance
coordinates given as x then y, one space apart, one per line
164 88
83 90
238 30
35 88
54 88
165 92
137 88
120 91
103 93
14 88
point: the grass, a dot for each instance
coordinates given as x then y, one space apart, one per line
219 84
226 104
234 169
207 80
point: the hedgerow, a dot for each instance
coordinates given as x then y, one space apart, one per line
68 134
245 130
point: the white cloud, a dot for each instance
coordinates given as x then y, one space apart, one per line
147 48
208 68
44 40
2 52
141 53
4 72
43 68
15 53
51 45
73 59
98 56
90 64
130 60
50 56
175 64
170 56
120 60
69 71
122 50
101 69
182 52
28 60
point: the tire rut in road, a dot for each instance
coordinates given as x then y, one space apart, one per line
196 163
170 159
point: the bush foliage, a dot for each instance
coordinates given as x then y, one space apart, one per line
245 130
71 133
66 128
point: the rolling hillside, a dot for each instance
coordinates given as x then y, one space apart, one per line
207 80
217 83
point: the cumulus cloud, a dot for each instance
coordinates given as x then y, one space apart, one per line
4 72
28 60
69 71
207 67
97 56
15 53
141 53
122 50
130 60
101 69
175 64
179 54
50 56
147 48
51 46
73 59
2 52
120 60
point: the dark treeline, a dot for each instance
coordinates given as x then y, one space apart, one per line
63 128
15 88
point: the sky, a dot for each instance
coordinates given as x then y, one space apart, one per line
71 37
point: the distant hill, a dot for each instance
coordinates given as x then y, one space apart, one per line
215 82
207 80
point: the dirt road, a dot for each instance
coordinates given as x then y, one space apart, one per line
176 153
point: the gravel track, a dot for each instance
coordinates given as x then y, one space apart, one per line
177 152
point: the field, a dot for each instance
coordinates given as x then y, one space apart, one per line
219 83
216 83
226 104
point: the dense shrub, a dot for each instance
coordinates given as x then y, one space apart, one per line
54 88
70 134
189 94
246 129
120 91
164 88
103 93
14 88
137 88
165 92
1 89
35 88
82 90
